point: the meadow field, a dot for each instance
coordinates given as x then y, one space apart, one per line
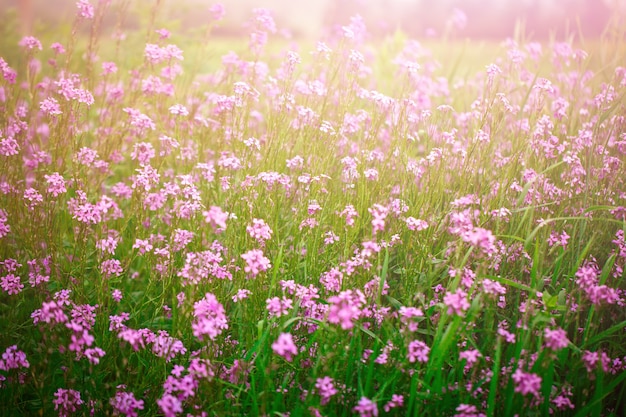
194 226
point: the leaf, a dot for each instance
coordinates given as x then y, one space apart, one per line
512 283
606 269
603 335
383 275
493 385
370 334
599 396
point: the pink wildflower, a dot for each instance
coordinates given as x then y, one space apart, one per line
93 355
590 359
396 401
125 403
111 267
325 389
493 287
163 33
466 410
366 408
32 197
139 120
379 213
116 295
470 355
371 174
345 308
165 346
8 73
330 238
527 383
30 43
295 162
255 262
109 68
9 147
558 240
5 229
407 316
482 239
11 284
555 339
418 351
85 9
56 184
259 230
12 358
241 295
285 347
508 336
170 405
67 401
456 302
209 317
331 280
142 152
278 307
587 279
179 110
57 48
217 11
156 54
216 217
49 312
562 401
349 212
50 106
415 224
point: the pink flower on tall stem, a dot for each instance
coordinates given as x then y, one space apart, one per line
456 302
555 339
527 383
255 262
285 347
366 408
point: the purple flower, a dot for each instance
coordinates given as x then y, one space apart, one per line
259 230
396 401
527 383
555 339
12 358
456 302
11 284
216 217
255 262
418 351
170 405
467 410
278 307
125 403
30 43
209 318
85 9
217 11
325 389
345 308
285 347
471 356
366 408
66 401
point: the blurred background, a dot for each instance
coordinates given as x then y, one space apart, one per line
482 19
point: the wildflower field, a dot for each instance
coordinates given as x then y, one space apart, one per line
333 228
